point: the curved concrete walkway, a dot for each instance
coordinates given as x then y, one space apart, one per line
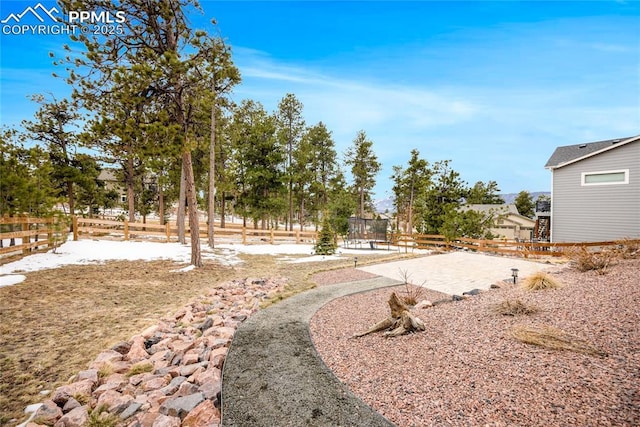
273 375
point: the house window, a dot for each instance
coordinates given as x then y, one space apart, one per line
606 177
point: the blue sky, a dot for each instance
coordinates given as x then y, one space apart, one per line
492 86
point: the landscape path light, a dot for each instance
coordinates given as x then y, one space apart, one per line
514 274
355 261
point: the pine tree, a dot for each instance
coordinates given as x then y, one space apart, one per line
524 204
326 243
364 168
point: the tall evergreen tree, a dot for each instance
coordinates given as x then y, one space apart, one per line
484 194
441 199
290 129
316 160
258 158
55 126
26 174
524 203
164 60
409 183
364 168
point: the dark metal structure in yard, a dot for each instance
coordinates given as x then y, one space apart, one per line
368 230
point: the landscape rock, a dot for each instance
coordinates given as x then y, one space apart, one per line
122 347
78 417
63 393
114 401
166 421
424 304
185 352
130 410
137 351
181 406
109 356
203 415
48 413
70 405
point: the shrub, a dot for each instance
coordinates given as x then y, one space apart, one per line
628 248
585 260
412 294
326 244
540 281
553 339
514 308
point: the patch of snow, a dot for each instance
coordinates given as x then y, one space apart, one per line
11 279
89 251
184 269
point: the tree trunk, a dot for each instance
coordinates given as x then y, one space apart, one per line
71 200
161 204
181 209
128 178
223 211
212 173
401 321
187 167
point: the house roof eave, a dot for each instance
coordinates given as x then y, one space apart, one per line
594 153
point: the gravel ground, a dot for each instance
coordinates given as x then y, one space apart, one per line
466 370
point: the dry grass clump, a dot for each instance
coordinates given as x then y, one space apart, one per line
628 248
140 368
586 260
553 339
513 308
540 281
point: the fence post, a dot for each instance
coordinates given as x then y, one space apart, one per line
168 228
244 235
297 236
74 225
26 239
50 231
126 229
271 232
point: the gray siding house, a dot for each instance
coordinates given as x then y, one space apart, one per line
595 191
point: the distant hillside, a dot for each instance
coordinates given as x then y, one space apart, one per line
384 205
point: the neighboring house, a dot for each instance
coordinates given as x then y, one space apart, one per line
111 182
595 191
509 223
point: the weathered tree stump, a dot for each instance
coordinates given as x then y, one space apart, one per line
400 322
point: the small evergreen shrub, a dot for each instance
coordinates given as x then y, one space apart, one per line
326 243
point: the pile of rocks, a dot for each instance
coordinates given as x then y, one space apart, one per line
169 375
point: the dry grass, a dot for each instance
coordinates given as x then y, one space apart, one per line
553 339
540 281
57 321
628 248
586 260
513 308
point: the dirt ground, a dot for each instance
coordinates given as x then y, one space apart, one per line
57 321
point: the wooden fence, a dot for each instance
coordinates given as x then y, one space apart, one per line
502 247
22 235
96 228
29 234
